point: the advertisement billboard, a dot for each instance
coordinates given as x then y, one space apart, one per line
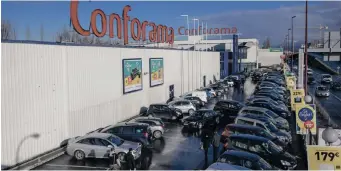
322 142
323 157
305 118
132 75
156 71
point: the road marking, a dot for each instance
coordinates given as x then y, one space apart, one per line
335 96
60 165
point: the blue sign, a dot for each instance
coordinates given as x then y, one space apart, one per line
305 114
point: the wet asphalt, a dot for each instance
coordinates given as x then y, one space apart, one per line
179 149
332 104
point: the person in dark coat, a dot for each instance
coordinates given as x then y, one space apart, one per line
216 144
130 161
206 141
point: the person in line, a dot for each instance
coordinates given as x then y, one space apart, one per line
130 161
216 144
205 140
224 140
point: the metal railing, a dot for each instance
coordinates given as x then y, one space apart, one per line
328 43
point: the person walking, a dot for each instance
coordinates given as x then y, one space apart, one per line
205 140
216 144
130 161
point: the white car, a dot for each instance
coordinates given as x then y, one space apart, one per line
184 105
326 78
309 71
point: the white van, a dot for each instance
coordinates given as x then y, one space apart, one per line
201 94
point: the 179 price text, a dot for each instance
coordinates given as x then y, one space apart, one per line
323 155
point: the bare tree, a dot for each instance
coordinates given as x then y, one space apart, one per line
7 31
28 33
41 32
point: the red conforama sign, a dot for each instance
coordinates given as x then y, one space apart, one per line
158 33
184 31
309 124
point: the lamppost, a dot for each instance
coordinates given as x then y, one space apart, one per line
329 135
292 40
187 27
34 135
305 47
289 40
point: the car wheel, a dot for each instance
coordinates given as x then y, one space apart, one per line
190 111
79 155
200 125
157 134
217 120
121 157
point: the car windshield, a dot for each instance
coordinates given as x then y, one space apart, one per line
327 76
322 88
199 113
274 148
271 113
271 126
264 165
116 140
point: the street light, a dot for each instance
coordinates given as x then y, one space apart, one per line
34 135
289 39
292 40
187 27
306 47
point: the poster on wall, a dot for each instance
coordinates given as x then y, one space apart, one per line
156 71
132 75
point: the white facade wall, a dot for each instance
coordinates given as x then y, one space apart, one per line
267 58
66 91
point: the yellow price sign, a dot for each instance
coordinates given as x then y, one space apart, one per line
324 157
297 97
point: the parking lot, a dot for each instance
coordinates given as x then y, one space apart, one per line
179 149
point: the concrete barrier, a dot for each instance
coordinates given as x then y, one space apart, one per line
320 110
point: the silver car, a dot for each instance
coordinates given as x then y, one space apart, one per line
156 125
101 145
322 91
184 105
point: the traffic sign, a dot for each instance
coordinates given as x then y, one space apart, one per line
309 124
305 114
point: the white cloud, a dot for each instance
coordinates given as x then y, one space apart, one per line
274 23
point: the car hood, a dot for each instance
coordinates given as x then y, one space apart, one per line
129 144
289 157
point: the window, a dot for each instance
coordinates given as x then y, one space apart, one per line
240 144
243 122
127 130
164 108
260 125
177 103
115 130
207 115
257 148
104 142
116 140
184 103
139 130
230 160
85 141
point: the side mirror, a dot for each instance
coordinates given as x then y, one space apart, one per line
110 146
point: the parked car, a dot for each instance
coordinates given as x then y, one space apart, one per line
231 129
219 90
281 93
184 105
99 145
267 86
229 109
245 159
210 90
164 111
283 112
280 104
196 101
271 84
201 118
283 123
273 96
136 132
310 71
225 166
265 148
326 78
336 85
265 124
228 81
277 81
156 125
201 94
322 91
311 80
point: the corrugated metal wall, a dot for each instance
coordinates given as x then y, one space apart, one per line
65 91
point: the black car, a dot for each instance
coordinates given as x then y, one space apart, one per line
272 90
228 108
265 148
218 89
196 101
272 96
201 118
136 132
277 81
164 111
253 130
311 80
336 86
245 159
257 76
135 72
284 113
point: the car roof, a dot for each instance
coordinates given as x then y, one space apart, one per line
230 101
130 124
147 118
225 166
97 135
258 117
180 100
248 136
205 110
243 154
245 126
249 118
325 74
158 104
254 108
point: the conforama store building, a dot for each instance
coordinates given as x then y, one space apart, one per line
235 54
